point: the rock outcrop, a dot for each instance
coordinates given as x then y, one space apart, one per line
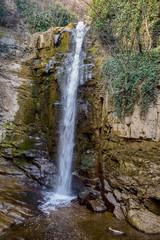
18 195
126 154
136 127
29 109
11 19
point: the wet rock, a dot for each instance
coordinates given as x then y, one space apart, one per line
88 194
16 196
110 201
77 182
107 187
96 205
38 165
32 153
42 170
94 194
98 185
83 197
144 220
117 194
118 213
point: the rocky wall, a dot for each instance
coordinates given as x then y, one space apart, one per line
130 159
135 126
119 161
30 100
116 164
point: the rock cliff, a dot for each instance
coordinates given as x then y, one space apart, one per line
116 163
121 157
29 110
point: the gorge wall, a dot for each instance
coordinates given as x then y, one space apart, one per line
29 110
116 164
125 154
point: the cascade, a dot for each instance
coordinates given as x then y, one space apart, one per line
73 76
68 116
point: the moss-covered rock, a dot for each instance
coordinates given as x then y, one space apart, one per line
29 136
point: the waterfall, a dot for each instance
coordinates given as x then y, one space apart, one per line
67 126
69 114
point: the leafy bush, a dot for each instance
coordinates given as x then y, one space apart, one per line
38 20
139 85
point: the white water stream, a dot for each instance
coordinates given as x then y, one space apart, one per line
63 192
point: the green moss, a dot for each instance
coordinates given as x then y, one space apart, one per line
64 45
1 33
37 114
91 100
93 51
28 143
87 162
52 99
20 162
40 72
45 54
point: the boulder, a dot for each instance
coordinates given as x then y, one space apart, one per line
117 194
144 220
110 201
88 194
107 187
96 205
83 196
118 213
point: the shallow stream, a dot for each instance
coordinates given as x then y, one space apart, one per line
73 222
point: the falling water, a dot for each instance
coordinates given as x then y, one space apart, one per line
69 95
69 114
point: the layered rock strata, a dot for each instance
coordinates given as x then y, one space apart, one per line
125 154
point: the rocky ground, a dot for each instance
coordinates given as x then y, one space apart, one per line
18 195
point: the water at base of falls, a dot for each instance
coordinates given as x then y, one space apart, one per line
54 200
63 194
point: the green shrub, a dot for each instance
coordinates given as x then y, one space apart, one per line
38 20
138 85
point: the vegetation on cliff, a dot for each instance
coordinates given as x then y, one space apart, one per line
39 20
141 85
130 33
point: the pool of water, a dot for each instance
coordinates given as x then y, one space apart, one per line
73 222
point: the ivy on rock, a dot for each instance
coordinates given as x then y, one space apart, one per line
138 86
